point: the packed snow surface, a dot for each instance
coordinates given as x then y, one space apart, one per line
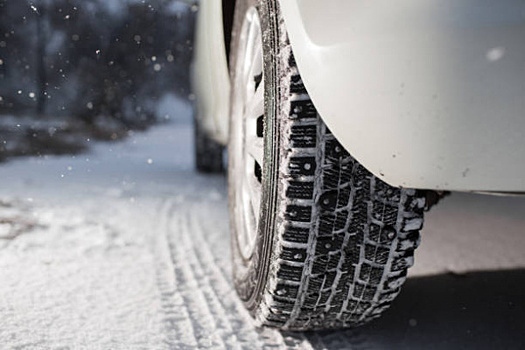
126 247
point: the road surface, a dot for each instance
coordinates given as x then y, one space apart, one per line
126 247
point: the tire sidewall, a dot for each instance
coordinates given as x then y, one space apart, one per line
251 275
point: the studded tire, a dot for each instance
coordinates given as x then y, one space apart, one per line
334 242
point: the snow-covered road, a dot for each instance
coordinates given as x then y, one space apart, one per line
126 247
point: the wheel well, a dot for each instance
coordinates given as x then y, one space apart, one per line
228 8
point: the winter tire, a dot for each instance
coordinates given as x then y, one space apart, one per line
208 152
317 241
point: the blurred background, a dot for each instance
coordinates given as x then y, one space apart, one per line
72 71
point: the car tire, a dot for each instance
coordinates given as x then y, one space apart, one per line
324 243
208 152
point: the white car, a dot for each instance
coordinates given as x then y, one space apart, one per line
343 119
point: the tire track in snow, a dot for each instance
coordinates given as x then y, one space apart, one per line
200 312
179 328
223 327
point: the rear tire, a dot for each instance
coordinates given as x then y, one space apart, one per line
331 243
208 152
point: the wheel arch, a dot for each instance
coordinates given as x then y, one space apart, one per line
424 95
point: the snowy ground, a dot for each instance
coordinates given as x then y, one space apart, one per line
125 247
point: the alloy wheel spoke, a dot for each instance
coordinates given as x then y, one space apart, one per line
255 104
255 148
248 146
255 191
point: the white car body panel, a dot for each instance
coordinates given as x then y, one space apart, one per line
425 94
210 77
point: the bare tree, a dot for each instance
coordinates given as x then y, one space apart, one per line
41 29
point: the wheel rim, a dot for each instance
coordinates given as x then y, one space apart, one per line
247 127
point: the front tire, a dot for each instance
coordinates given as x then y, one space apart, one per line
318 241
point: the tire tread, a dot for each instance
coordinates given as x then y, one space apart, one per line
347 264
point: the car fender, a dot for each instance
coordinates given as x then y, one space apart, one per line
425 94
210 76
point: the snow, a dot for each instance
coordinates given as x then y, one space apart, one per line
170 103
126 247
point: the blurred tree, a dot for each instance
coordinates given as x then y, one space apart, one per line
93 58
41 31
17 54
